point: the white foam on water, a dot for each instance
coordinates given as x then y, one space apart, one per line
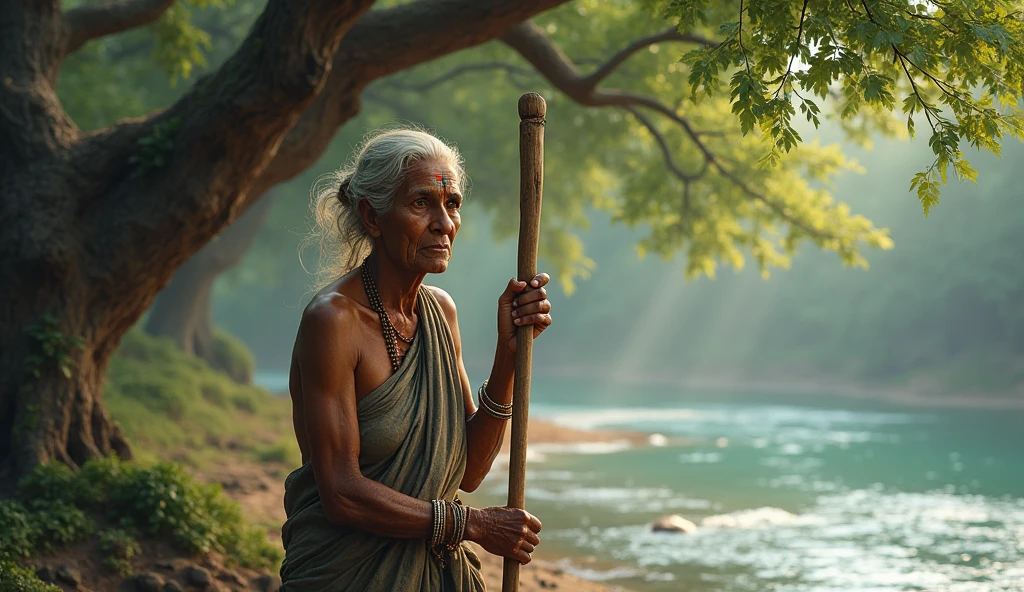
591 419
700 457
625 500
596 574
756 518
545 448
857 540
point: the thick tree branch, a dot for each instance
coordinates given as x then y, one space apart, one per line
616 60
225 136
397 107
382 43
205 151
92 21
686 178
530 42
456 72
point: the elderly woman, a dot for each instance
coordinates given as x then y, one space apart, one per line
382 405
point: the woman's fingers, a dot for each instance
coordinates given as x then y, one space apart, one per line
531 296
539 280
532 539
534 523
523 310
513 288
539 320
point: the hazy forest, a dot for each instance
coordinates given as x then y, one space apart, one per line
759 199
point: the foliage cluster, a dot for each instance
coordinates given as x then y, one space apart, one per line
118 547
53 347
15 578
56 507
954 64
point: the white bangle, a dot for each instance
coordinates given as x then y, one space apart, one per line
492 407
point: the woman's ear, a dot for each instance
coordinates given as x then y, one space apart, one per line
369 218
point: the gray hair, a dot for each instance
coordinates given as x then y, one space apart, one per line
374 174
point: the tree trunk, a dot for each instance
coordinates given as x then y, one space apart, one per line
51 406
183 310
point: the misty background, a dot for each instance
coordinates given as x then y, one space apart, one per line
938 313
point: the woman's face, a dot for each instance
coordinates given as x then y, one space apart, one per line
419 229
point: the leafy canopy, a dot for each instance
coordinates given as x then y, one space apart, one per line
684 171
955 64
712 164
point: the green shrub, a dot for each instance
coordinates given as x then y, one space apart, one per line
52 482
119 547
98 477
58 524
166 500
17 532
232 357
14 578
163 500
40 524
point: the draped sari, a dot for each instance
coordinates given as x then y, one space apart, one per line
412 431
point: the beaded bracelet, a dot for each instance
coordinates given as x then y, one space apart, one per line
459 515
440 513
492 407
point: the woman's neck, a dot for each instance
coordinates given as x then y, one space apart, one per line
397 287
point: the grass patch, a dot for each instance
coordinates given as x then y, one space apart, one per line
285 450
171 405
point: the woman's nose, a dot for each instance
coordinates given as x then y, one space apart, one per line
443 222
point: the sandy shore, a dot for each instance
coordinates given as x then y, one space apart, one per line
538 575
544 432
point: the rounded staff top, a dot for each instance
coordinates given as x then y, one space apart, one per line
532 106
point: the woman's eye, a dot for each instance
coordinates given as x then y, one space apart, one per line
420 202
454 204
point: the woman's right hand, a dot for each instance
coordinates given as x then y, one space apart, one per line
507 532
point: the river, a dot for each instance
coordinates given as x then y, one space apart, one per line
798 494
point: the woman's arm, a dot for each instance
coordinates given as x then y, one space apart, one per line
327 357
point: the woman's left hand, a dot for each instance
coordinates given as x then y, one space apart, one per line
520 306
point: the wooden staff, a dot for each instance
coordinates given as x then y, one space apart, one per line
532 109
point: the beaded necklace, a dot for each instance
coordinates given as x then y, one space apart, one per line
391 334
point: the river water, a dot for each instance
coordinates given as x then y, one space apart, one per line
798 494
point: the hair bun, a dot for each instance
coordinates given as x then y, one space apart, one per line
343 194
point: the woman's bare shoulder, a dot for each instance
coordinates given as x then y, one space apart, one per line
444 299
329 314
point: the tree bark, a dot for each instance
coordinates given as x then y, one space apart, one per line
183 310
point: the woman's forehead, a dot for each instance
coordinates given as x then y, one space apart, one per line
433 172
